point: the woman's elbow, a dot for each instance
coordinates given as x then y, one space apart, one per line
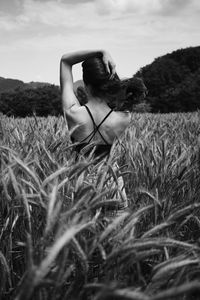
65 58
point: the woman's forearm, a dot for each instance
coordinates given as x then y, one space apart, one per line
79 56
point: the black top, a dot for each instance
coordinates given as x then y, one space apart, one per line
100 149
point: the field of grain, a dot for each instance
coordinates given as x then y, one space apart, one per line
55 242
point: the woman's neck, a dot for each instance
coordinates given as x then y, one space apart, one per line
96 101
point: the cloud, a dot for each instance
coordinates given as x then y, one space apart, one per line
173 7
10 7
74 2
134 31
80 14
97 21
141 6
46 13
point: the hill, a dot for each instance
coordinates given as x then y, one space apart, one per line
173 81
8 84
35 85
21 99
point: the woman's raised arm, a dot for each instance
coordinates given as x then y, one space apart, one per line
66 78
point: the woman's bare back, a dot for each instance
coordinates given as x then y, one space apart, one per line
81 124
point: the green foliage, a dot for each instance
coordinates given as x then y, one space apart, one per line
42 101
55 242
7 84
173 81
141 107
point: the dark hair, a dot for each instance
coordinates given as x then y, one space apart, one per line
134 91
121 94
96 75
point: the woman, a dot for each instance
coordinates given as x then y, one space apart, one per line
95 123
98 75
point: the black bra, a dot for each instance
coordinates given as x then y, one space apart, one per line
100 149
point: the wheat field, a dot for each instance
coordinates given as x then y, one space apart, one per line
55 240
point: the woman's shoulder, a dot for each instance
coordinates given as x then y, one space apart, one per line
123 116
120 121
75 115
75 110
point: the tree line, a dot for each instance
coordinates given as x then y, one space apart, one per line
172 81
41 101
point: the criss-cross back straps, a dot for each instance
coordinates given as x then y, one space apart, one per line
96 127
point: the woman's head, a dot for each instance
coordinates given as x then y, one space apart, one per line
120 95
98 78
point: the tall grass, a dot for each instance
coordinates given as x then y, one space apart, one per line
56 242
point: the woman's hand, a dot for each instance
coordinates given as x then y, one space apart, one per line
109 64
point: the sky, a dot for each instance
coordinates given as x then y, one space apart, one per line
34 34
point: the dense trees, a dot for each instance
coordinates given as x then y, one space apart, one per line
173 81
42 101
7 84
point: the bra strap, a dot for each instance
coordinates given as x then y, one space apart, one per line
96 127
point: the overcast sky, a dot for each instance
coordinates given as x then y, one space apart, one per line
35 33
